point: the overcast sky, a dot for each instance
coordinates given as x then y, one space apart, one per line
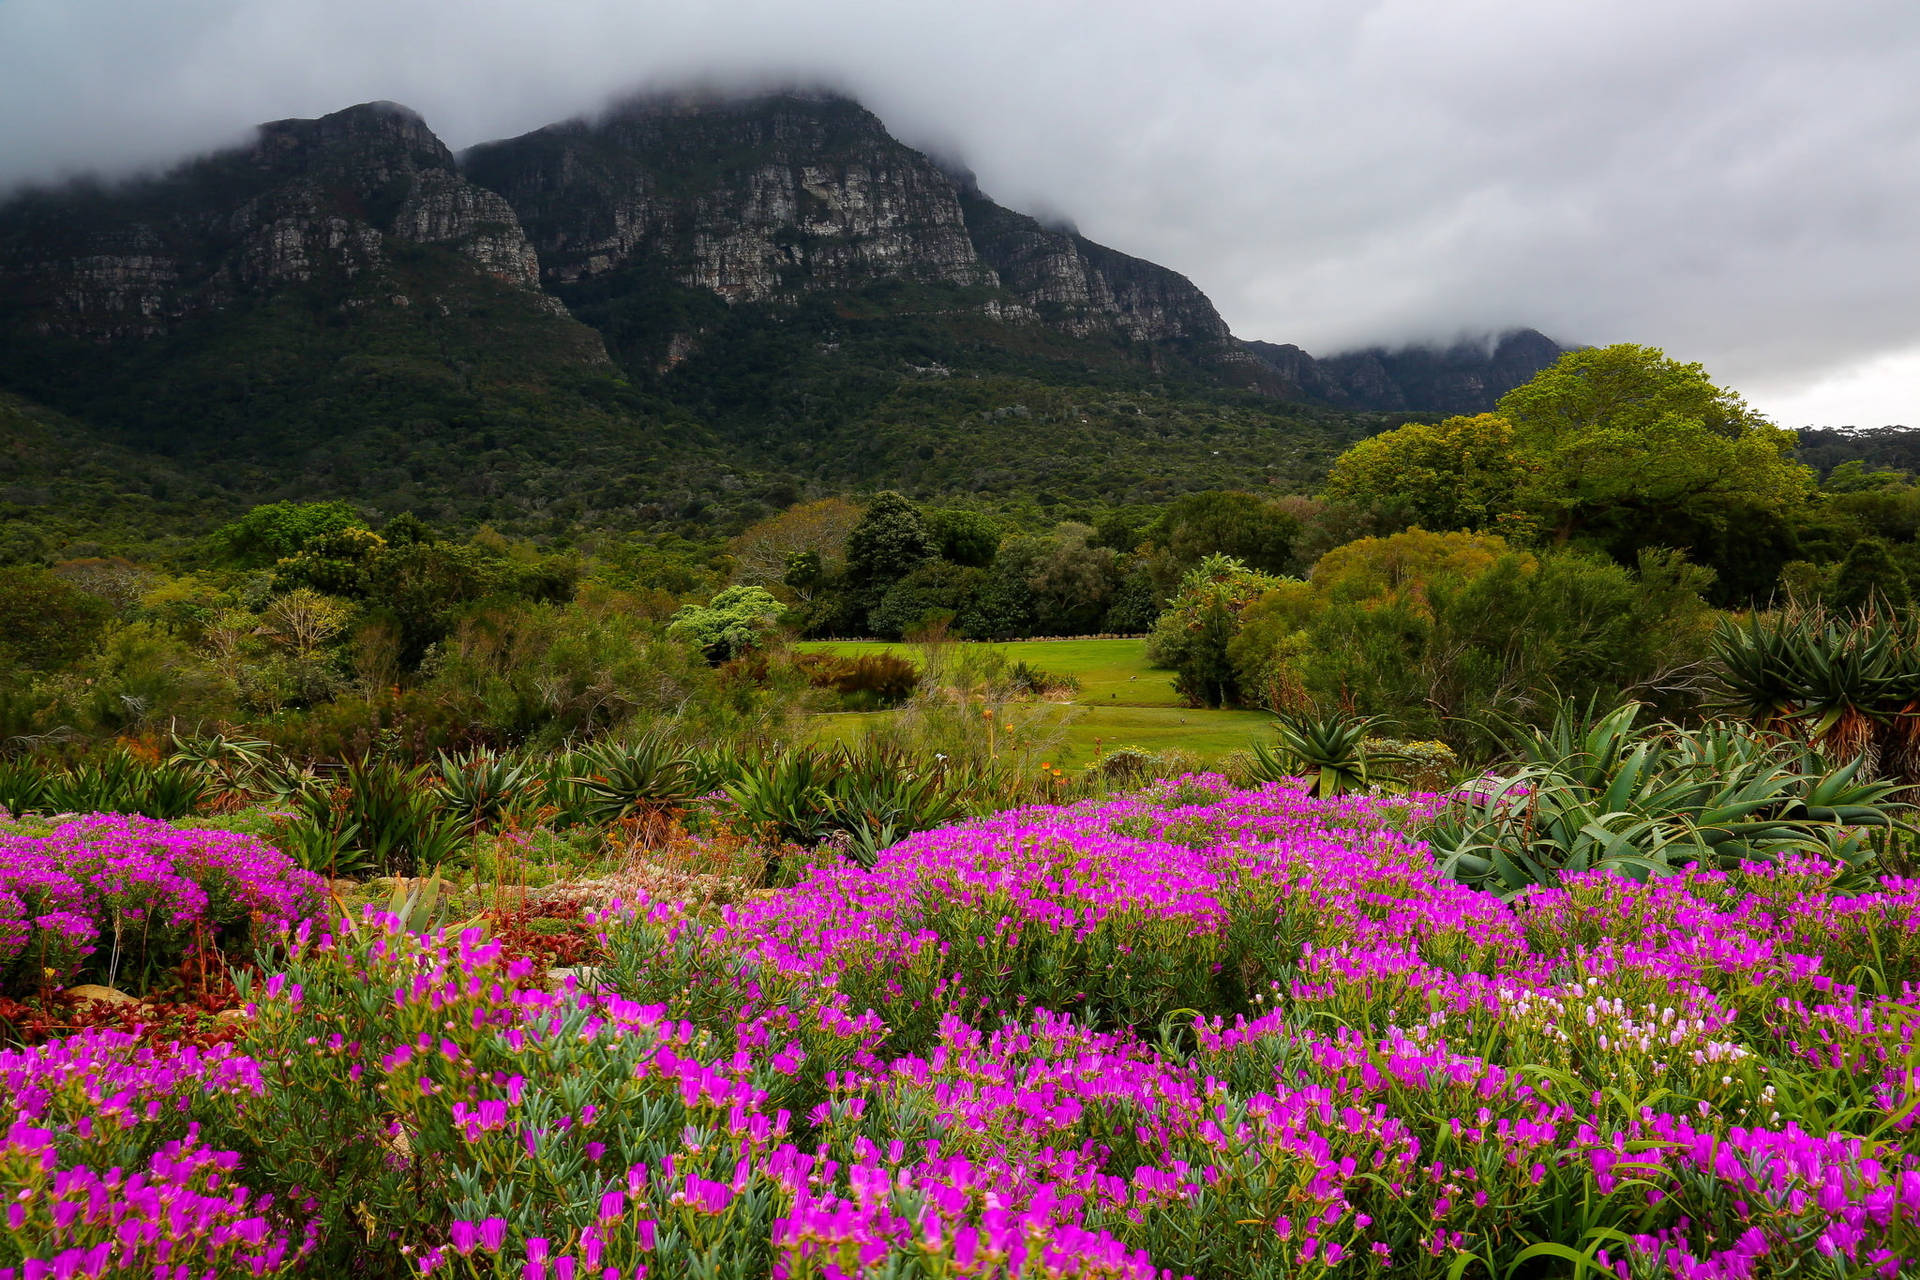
1737 181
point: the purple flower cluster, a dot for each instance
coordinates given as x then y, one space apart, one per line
107 1174
1190 1032
179 1216
146 886
1492 1063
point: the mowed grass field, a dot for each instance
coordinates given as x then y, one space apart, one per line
1122 701
1109 671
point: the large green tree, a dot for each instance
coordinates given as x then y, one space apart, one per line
280 529
1631 445
1612 448
1463 473
45 621
1245 526
1195 634
890 540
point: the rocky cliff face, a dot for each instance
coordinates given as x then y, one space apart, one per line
332 198
787 194
751 200
1087 288
1464 378
666 224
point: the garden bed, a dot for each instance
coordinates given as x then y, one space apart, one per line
1211 1032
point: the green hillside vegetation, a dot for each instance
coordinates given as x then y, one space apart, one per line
469 401
902 387
336 628
499 412
65 488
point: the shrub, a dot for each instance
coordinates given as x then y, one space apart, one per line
1035 683
1194 634
119 895
1452 635
869 680
734 622
1129 766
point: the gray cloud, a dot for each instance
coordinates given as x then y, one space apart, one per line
1734 180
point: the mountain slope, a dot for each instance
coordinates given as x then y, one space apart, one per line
686 309
771 199
330 309
1466 378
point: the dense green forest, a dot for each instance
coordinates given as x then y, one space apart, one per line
493 410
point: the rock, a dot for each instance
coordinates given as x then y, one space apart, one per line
770 197
93 991
306 200
584 975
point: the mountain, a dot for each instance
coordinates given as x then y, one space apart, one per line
686 308
1465 378
344 197
330 309
778 197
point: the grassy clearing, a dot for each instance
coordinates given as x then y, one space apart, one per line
1091 729
1110 672
1122 700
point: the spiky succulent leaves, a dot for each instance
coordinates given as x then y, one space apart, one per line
1660 799
642 779
1330 751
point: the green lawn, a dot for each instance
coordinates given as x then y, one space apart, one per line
1122 701
1110 672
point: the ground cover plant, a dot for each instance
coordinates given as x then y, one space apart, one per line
120 898
1185 1030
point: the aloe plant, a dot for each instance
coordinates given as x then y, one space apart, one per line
1330 751
23 786
380 817
231 762
884 796
480 788
1606 793
1846 683
644 778
788 796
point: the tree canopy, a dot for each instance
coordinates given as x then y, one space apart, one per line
1631 445
1463 473
1242 525
1618 449
890 540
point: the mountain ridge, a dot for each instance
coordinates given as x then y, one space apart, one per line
679 306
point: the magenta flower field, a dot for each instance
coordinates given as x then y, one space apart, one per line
1189 1031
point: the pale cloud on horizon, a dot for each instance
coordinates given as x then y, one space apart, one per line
1734 181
